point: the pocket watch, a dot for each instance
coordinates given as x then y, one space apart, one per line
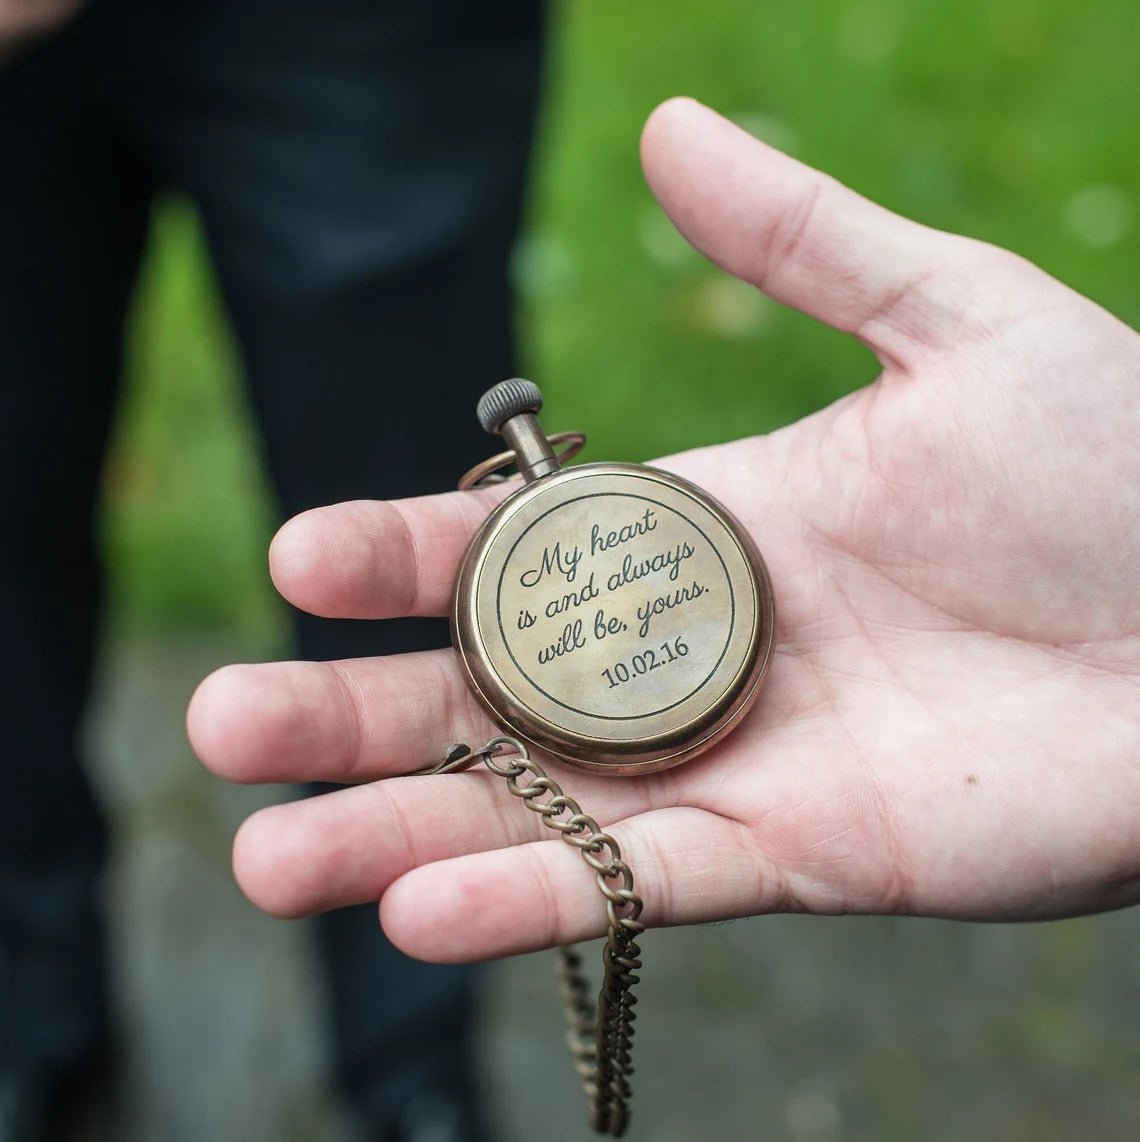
618 618
614 615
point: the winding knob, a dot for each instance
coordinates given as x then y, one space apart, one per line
506 400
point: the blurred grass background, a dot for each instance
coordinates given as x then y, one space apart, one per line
1016 122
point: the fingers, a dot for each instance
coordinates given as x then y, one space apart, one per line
376 560
805 239
689 868
465 871
348 846
333 721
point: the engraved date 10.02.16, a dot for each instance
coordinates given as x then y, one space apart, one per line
645 661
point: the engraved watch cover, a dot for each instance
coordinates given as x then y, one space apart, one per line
614 615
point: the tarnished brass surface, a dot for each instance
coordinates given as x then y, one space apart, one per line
615 616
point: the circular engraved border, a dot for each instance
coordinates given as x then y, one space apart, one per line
647 499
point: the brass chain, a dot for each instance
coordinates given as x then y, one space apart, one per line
599 1033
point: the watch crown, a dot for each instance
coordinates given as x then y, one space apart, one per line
505 400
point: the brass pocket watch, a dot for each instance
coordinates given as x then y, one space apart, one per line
617 618
613 615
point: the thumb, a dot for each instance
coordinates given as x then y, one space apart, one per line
807 240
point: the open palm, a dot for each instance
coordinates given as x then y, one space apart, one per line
951 724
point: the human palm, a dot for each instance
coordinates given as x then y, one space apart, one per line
951 721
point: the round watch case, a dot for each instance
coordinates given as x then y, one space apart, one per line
615 616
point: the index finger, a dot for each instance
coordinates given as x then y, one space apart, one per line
370 559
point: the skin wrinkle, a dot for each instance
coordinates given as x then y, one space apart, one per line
783 244
483 799
350 691
406 832
706 784
1066 657
779 495
556 923
372 565
646 845
464 716
411 548
659 790
771 884
810 706
345 865
638 837
859 443
373 712
885 826
523 827
829 423
787 875
827 542
884 494
954 623
899 485
849 827
690 465
855 616
459 714
771 499
907 357
404 754
897 887
294 572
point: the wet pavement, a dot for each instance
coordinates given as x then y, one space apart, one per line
782 1028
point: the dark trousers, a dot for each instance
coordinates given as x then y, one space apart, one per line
358 167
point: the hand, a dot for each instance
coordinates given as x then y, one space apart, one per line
951 723
22 19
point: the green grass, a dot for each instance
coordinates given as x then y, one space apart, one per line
1015 122
187 512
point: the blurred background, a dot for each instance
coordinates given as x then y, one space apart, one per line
1015 122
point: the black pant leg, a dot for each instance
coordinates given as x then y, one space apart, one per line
73 206
359 166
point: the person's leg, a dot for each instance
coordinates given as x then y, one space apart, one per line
359 167
73 207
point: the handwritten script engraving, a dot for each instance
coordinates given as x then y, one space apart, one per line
553 560
616 605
